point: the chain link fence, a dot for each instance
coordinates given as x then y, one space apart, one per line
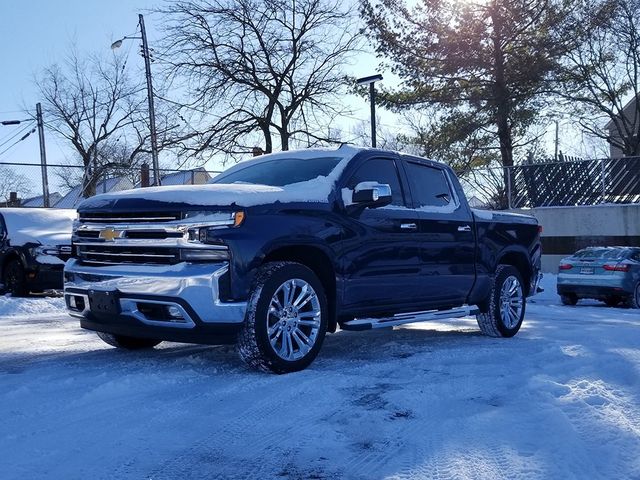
567 183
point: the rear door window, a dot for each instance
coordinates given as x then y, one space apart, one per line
429 186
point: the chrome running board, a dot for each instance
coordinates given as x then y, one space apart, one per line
402 318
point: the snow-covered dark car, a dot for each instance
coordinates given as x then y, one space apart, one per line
280 249
610 274
34 245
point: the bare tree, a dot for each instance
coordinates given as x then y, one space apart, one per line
603 75
11 181
260 71
95 105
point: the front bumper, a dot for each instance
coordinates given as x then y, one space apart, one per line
178 302
44 277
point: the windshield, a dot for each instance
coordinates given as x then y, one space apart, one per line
280 172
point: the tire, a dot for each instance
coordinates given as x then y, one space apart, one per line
128 343
569 299
15 279
612 301
496 319
273 338
634 299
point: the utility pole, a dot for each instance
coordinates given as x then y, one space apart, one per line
43 157
152 111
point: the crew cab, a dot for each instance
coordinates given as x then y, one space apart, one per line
280 249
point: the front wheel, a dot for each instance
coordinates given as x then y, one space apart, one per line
612 301
286 319
502 313
128 343
15 279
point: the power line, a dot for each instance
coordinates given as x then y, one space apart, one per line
15 134
24 137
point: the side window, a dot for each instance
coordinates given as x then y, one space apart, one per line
3 230
429 186
379 170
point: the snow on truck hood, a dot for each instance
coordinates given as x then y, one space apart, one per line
240 194
38 225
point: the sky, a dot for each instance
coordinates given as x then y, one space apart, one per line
39 33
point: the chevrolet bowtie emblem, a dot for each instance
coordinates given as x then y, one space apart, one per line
109 234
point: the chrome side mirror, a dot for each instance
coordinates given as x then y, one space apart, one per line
372 194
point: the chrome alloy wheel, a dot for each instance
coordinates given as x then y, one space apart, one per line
293 319
511 302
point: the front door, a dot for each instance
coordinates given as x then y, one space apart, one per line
381 256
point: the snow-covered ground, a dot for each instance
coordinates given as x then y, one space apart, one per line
437 400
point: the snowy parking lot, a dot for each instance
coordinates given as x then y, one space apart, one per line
434 400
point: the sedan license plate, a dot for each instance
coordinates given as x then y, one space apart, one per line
586 270
104 302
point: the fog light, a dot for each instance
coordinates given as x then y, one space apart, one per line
72 302
174 312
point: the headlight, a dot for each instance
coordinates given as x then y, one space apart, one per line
43 250
205 221
215 219
204 254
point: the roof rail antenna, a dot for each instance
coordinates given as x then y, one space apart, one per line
344 144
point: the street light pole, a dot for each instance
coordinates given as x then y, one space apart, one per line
152 110
372 99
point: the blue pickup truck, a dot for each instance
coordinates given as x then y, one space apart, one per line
281 249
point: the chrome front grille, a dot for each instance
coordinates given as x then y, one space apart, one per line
116 255
145 238
129 217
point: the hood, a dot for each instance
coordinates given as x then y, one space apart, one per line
232 195
37 225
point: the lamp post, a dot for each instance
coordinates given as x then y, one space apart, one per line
152 112
372 98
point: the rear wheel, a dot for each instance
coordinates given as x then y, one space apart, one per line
15 279
128 343
634 299
569 299
286 319
502 313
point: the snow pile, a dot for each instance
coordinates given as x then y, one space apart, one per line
433 400
30 307
38 225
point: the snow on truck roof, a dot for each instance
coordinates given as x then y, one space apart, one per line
46 226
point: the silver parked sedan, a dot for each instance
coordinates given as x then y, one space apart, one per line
610 274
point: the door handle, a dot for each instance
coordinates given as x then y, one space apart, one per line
464 228
408 226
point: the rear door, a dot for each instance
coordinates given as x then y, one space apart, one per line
381 257
447 234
